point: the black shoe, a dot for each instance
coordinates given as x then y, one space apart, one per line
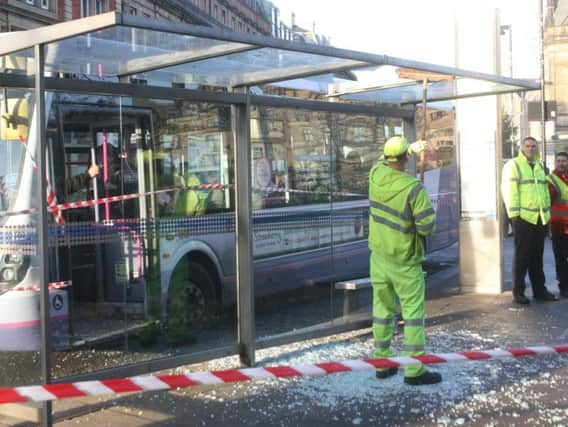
426 378
564 293
546 296
521 299
386 373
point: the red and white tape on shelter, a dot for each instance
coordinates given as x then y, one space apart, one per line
50 194
41 393
56 209
52 285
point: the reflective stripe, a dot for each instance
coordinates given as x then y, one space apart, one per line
530 181
425 228
515 209
390 224
382 345
414 192
534 209
413 322
424 214
413 348
381 321
389 210
515 179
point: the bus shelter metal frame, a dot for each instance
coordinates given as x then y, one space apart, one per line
240 99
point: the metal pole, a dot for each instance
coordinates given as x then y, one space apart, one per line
39 54
542 83
243 220
424 117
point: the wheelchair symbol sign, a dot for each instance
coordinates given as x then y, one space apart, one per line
57 302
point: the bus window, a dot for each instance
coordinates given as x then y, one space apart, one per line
192 152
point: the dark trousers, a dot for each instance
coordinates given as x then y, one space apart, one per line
560 248
529 247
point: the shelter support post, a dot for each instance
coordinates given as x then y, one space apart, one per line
243 210
479 168
39 56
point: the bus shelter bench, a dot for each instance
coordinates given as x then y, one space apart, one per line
349 296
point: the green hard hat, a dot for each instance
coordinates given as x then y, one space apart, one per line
394 147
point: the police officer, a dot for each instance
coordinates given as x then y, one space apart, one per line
401 215
525 193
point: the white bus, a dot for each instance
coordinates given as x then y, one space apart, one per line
169 253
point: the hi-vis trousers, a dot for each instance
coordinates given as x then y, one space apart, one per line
390 280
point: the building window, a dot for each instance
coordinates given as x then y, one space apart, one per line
132 11
224 17
92 7
99 6
45 4
308 135
216 12
30 1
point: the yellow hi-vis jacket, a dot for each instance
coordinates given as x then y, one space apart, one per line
401 215
525 190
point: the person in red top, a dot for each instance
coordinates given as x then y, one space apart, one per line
558 188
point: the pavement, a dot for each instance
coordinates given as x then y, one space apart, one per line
531 391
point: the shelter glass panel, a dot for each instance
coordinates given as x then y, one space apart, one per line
292 163
124 51
145 254
20 327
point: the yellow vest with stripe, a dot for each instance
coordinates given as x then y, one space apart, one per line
191 202
528 193
559 206
401 215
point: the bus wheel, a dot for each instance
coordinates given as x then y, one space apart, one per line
192 301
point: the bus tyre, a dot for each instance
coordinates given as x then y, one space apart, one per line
192 301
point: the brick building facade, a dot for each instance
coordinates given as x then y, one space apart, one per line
248 16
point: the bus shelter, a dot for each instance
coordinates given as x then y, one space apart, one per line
231 188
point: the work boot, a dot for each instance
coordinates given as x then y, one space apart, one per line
521 299
546 296
428 377
386 373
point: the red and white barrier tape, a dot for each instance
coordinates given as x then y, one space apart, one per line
41 393
57 209
51 198
52 285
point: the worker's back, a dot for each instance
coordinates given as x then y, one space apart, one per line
401 214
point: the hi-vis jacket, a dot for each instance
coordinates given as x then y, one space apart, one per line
558 189
401 215
525 190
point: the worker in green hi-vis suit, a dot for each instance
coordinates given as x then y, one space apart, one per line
401 215
191 202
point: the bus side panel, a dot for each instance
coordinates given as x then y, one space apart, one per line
20 328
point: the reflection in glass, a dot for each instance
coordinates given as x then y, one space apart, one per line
20 336
136 272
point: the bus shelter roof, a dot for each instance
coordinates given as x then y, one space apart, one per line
115 47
